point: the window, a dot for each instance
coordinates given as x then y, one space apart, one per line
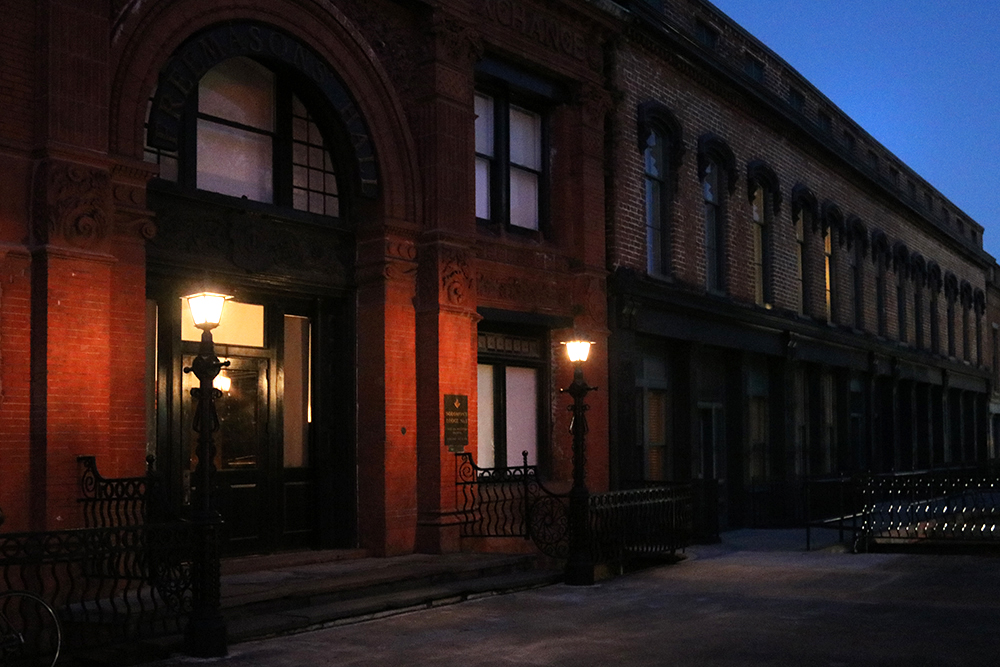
706 35
918 312
657 205
873 160
253 138
510 168
828 273
929 201
796 99
754 68
901 305
950 323
850 143
894 176
714 245
655 414
825 121
880 294
935 326
509 390
800 260
858 284
717 171
762 223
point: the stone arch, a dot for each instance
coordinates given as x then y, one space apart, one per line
880 247
712 148
901 258
857 232
759 173
147 39
803 199
832 218
934 279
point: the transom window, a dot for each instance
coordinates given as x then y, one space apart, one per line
251 137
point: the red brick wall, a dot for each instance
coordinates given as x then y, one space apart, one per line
15 389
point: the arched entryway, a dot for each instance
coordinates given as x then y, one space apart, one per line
263 160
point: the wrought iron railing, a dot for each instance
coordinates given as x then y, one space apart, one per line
514 502
833 502
108 585
652 521
120 501
930 507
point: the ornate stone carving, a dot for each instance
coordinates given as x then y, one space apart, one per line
514 290
458 42
401 259
456 279
77 199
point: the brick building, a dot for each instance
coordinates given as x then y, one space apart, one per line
787 298
414 202
319 161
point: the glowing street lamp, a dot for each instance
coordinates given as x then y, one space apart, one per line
205 636
579 564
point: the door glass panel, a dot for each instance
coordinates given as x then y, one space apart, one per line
242 412
296 405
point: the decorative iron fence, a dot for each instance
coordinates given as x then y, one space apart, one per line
930 507
121 501
107 585
514 502
653 521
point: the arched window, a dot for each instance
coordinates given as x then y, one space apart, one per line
251 137
764 191
716 167
934 285
804 212
881 257
857 245
950 295
966 296
901 263
661 142
657 213
833 221
918 271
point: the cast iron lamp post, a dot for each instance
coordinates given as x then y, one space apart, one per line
205 636
579 564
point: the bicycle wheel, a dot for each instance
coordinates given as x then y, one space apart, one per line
30 635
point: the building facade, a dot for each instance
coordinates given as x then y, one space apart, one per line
788 299
413 202
322 162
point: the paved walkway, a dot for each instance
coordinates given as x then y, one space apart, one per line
755 599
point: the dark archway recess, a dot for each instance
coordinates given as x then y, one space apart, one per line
180 75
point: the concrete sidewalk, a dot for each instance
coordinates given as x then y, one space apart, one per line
756 598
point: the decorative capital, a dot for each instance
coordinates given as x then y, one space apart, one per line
456 40
76 201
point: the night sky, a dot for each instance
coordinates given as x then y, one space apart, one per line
921 76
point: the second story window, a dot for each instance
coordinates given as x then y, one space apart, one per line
714 242
657 204
829 272
250 136
761 214
800 261
510 165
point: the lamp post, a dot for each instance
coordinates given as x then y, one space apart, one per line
579 564
205 636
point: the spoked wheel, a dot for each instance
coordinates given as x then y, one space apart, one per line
30 635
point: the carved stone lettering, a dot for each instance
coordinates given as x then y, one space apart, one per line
547 30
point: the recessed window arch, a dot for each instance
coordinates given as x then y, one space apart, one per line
951 296
881 258
805 209
661 141
764 193
934 285
918 273
857 246
833 222
901 264
717 172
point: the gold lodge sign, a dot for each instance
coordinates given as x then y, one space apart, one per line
456 422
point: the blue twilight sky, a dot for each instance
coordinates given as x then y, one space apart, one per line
921 76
